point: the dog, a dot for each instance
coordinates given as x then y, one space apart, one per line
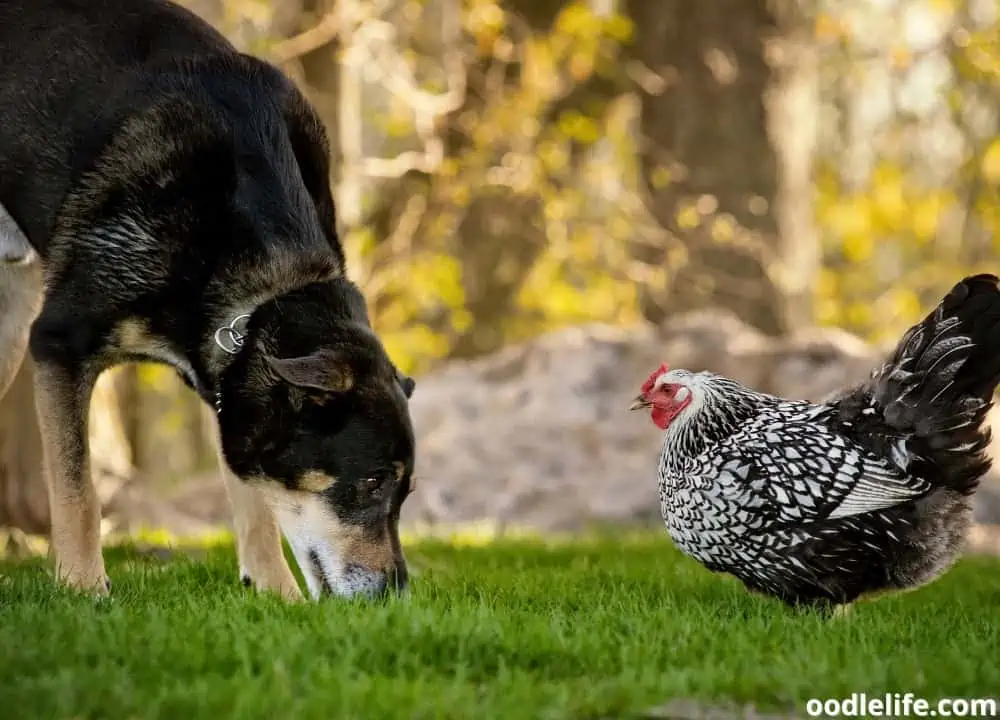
166 198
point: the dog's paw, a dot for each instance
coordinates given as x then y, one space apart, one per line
97 584
282 583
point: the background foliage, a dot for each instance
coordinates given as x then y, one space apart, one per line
496 178
505 168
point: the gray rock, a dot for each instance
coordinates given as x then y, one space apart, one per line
540 435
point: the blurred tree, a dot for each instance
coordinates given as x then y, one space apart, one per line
496 230
908 176
483 233
728 122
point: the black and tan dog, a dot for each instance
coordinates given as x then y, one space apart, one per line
176 196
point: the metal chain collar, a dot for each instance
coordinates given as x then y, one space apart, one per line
230 340
230 337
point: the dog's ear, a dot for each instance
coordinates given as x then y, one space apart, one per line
323 370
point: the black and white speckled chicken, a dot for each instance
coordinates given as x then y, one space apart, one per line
820 504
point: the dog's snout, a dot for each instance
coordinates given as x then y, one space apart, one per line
378 583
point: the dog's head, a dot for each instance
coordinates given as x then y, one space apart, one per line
315 413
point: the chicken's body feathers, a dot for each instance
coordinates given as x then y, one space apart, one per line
823 503
790 505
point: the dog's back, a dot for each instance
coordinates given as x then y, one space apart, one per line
62 60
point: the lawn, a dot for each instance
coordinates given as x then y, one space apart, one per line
586 628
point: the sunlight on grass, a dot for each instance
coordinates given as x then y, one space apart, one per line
161 537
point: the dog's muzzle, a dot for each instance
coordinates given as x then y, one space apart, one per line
328 551
352 580
376 584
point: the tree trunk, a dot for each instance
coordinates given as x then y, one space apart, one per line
727 144
23 495
498 235
502 233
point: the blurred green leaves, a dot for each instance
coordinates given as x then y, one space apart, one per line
529 221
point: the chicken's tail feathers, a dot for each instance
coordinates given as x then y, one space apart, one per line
938 384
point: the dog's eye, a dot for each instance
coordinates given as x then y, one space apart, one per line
373 485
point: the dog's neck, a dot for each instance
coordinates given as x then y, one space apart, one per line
229 339
283 273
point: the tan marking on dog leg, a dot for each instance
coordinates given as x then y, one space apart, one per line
74 506
258 539
20 301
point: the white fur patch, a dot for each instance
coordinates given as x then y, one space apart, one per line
317 537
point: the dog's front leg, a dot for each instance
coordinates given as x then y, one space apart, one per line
258 539
62 398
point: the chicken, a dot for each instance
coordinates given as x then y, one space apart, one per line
821 504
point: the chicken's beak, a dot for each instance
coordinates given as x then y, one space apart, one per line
639 403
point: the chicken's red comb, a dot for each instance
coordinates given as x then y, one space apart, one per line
648 385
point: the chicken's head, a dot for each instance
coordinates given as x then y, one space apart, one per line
668 393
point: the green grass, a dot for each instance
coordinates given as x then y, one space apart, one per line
512 629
